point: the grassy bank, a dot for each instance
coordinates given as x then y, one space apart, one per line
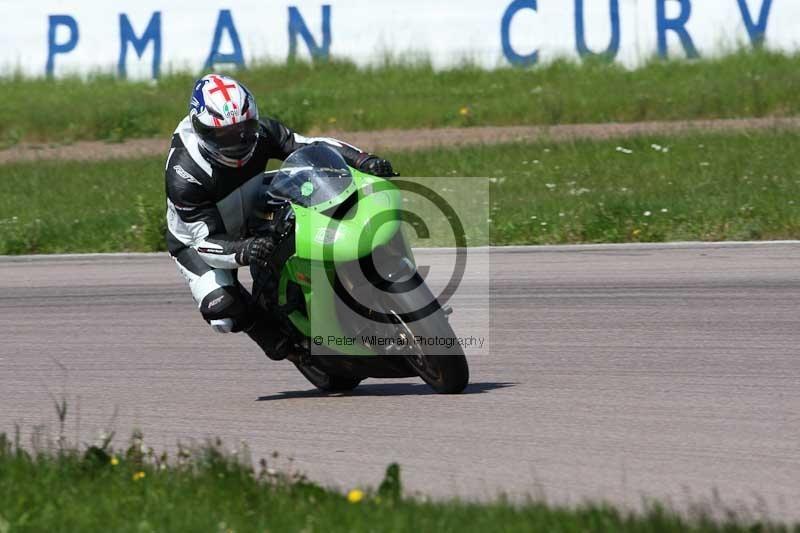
204 489
700 187
338 95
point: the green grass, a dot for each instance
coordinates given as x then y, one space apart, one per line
705 187
312 97
204 489
78 207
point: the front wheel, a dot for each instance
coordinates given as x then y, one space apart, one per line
324 381
446 373
430 345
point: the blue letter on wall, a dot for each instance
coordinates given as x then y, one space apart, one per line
297 26
505 35
678 25
151 33
580 32
756 30
54 48
225 22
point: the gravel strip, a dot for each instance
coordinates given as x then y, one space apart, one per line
416 139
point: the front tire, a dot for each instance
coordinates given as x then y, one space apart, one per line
446 373
445 367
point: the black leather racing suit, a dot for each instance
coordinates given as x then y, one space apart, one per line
207 209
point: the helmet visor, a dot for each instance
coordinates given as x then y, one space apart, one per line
234 141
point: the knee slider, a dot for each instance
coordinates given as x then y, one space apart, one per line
225 309
222 325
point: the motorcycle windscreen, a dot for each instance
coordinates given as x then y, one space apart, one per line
315 177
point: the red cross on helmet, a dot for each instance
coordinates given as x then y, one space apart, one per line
225 118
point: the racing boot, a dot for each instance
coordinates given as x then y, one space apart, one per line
275 345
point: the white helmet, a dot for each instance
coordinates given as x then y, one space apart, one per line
225 118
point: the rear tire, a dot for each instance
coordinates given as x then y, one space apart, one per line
327 382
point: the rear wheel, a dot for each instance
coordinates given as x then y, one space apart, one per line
324 381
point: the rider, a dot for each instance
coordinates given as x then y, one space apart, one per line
213 172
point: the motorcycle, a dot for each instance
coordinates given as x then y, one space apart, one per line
344 286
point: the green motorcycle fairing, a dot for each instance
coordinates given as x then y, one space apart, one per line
318 237
321 242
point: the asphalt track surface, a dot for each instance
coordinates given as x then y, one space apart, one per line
615 373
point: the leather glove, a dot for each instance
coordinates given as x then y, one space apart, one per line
377 167
281 216
257 251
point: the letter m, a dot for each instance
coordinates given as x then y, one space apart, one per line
127 35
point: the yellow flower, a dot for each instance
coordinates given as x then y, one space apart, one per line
114 460
355 496
332 120
464 111
138 475
637 232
